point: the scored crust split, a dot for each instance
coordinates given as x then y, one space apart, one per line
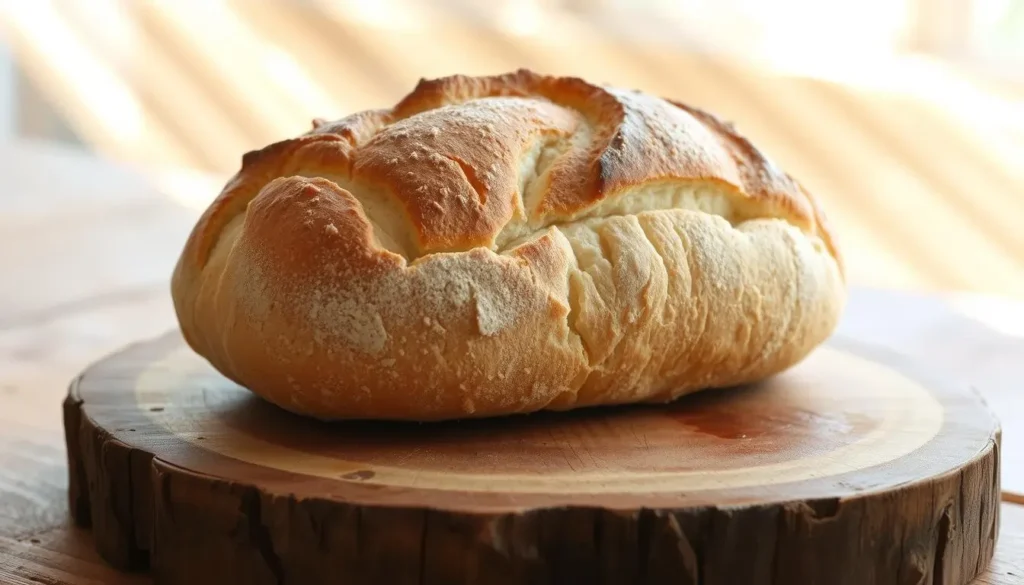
507 244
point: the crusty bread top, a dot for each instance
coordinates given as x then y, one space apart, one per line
464 162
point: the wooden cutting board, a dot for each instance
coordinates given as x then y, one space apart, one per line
852 468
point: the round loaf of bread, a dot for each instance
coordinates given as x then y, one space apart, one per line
507 244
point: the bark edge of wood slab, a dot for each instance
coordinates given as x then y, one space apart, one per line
852 468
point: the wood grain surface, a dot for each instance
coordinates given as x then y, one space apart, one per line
853 467
52 327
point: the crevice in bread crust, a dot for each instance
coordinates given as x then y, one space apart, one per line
387 218
661 196
470 174
645 228
660 317
534 176
551 149
573 296
580 276
629 315
590 250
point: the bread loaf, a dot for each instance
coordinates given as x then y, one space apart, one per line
507 244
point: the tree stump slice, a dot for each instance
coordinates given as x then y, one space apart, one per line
851 468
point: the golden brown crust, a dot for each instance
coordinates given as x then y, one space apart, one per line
507 244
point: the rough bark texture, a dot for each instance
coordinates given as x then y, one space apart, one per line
115 511
78 493
197 530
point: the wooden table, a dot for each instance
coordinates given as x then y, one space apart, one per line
87 250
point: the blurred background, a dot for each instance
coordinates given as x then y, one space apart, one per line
120 120
905 116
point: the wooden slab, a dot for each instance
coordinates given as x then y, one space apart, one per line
850 468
